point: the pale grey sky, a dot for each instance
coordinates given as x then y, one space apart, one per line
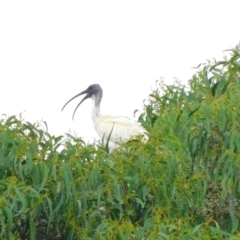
52 50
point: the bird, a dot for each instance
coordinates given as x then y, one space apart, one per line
112 130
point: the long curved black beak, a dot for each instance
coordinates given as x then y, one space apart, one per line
81 93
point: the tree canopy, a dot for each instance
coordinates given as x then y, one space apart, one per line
184 183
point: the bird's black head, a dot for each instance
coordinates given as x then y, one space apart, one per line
92 91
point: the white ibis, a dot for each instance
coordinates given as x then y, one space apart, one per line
111 129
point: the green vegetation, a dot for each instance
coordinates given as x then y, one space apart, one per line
184 183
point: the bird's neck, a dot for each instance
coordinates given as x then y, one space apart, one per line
96 107
96 112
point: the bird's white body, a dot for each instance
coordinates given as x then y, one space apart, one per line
111 129
118 129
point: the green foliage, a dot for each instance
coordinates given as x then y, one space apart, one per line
182 184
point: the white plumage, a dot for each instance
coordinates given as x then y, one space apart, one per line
115 129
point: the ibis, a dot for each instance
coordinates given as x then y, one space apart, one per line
112 130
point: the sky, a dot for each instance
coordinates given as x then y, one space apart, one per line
52 50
